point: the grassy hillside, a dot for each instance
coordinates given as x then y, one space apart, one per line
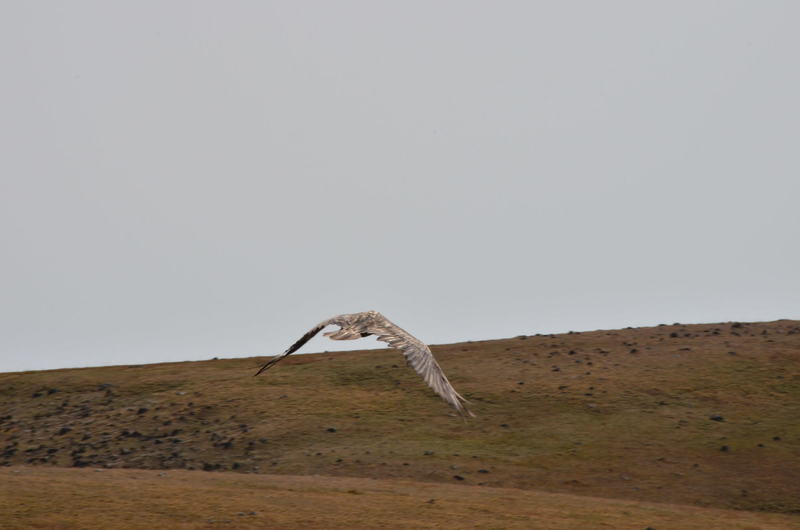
694 414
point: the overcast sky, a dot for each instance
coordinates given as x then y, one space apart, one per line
183 180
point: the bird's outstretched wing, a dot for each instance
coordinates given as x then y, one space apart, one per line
419 357
294 347
416 352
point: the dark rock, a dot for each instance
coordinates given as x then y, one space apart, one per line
331 429
458 477
483 471
725 448
142 410
63 430
716 417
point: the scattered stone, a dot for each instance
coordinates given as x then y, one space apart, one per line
331 429
716 417
725 448
458 477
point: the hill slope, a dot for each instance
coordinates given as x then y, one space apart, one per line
78 498
625 414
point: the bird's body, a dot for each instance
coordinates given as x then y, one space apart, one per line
417 354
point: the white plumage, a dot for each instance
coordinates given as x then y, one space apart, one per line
417 354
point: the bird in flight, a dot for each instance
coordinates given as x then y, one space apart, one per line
417 354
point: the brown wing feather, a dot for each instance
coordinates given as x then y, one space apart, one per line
294 347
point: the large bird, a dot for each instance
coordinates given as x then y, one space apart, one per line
417 354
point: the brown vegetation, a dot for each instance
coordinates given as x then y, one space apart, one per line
691 414
39 497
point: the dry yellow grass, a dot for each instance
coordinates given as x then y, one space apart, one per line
86 498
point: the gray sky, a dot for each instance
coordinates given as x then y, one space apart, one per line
182 180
